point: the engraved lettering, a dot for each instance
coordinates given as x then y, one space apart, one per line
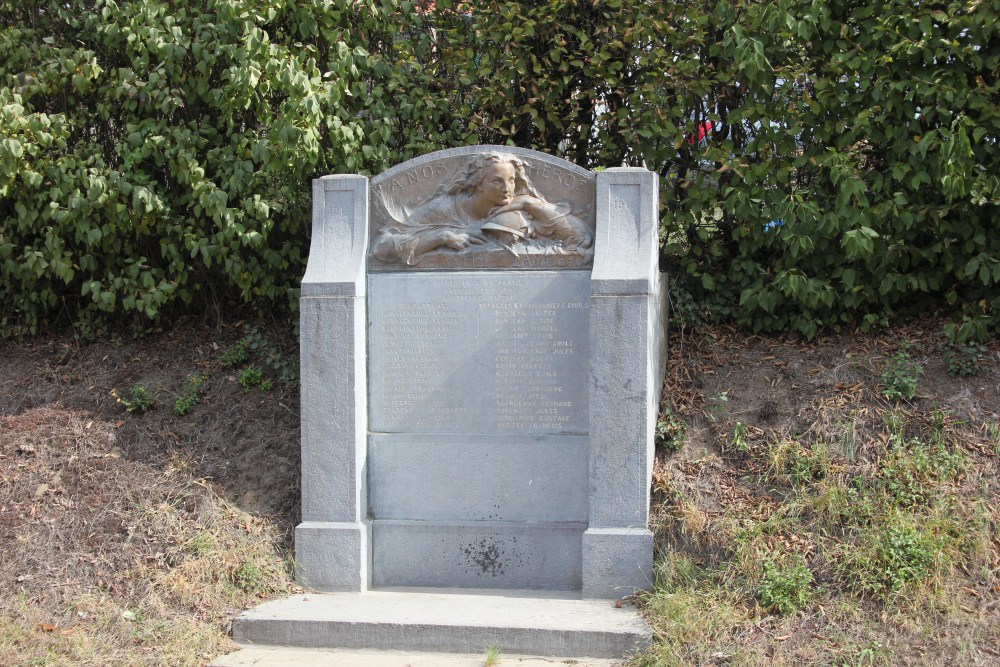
520 348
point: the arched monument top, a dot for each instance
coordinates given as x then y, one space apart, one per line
482 207
465 151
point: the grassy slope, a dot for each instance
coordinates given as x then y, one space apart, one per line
811 517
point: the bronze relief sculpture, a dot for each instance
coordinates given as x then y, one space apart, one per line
488 207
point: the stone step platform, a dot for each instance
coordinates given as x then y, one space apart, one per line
279 656
532 623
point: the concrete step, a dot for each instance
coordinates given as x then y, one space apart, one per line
465 621
305 657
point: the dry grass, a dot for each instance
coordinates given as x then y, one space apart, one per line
110 561
809 520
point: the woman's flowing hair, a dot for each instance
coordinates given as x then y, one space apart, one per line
469 178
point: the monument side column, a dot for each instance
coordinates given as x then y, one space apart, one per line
332 544
625 347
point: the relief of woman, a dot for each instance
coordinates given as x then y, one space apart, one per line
491 199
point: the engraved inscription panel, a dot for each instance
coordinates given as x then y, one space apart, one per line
486 353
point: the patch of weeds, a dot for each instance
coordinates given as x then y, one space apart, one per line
805 465
899 379
993 431
136 615
895 424
674 571
190 395
238 352
785 589
964 357
670 433
905 554
492 656
847 440
716 405
250 377
688 623
248 578
752 545
874 653
895 553
911 474
200 544
286 370
138 401
797 464
838 504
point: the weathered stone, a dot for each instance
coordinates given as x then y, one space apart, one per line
481 367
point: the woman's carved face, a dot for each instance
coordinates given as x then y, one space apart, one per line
498 183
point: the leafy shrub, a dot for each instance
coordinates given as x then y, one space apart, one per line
785 589
670 433
158 158
237 353
190 395
820 164
139 399
250 377
900 376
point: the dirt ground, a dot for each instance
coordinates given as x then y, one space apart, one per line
94 496
244 444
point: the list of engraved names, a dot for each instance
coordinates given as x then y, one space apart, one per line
502 352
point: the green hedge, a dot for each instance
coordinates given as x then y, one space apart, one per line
155 157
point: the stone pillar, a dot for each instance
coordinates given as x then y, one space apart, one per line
626 336
332 544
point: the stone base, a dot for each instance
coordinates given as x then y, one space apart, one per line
617 561
333 557
477 554
448 621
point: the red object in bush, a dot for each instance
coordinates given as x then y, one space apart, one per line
701 133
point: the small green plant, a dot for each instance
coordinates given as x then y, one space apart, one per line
896 550
237 353
286 370
716 405
248 577
670 433
739 441
785 589
993 431
492 656
964 359
190 395
250 377
847 440
139 400
900 376
875 653
906 555
201 544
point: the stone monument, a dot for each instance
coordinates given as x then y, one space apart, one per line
482 339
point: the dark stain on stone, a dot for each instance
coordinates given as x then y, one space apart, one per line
489 556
